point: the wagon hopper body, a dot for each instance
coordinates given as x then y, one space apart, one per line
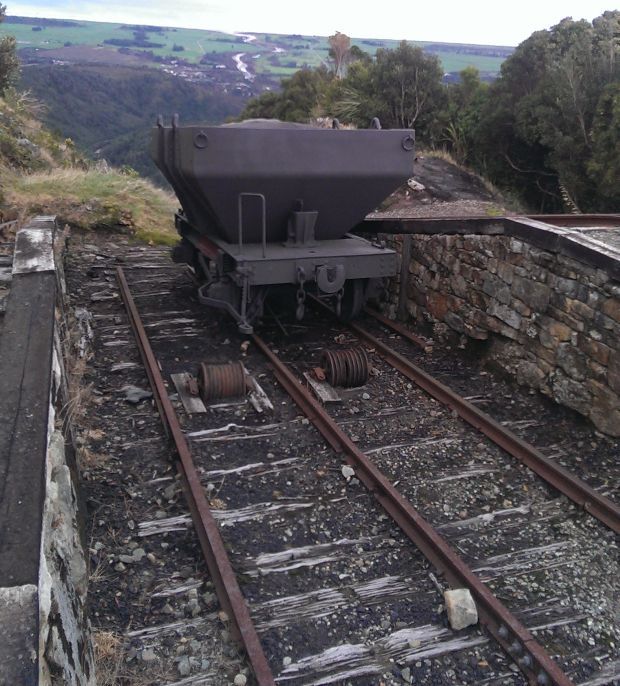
268 205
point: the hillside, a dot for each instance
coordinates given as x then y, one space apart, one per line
109 112
42 173
545 130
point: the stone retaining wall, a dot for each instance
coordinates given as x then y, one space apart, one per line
552 322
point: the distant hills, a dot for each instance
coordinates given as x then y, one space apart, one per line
209 56
103 84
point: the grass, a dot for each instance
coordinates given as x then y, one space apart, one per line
40 173
439 153
196 42
90 199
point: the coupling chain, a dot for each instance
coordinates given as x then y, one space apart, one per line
301 294
339 297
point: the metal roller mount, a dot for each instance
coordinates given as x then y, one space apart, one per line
348 368
220 381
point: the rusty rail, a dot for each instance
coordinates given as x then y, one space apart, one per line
401 330
513 636
599 506
554 474
216 557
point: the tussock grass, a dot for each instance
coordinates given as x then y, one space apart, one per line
108 657
80 395
442 154
107 644
25 144
92 199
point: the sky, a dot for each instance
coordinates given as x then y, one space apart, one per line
453 21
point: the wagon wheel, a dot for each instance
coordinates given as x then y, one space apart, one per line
353 299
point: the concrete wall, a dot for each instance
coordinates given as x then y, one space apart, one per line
552 321
43 574
65 649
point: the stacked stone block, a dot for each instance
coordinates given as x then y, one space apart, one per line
553 322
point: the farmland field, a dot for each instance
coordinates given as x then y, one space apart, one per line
268 54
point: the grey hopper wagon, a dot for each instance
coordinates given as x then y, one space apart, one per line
268 205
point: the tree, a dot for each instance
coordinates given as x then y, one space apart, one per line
604 164
355 99
356 54
499 152
537 128
9 64
300 99
339 49
409 81
462 115
263 107
401 87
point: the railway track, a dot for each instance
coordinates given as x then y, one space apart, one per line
334 590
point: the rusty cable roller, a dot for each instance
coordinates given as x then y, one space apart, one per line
219 381
348 368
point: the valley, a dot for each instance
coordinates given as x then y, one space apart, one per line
209 56
103 84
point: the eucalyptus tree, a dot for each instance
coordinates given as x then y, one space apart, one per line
402 87
339 49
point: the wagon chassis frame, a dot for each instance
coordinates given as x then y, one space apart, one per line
242 272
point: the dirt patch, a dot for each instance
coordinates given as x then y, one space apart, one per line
440 188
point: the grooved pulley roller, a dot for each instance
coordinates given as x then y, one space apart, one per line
219 381
347 367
